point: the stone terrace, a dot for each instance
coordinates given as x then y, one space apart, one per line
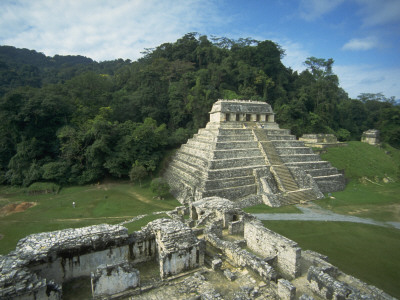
244 156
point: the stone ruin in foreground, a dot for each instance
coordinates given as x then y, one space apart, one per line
244 156
210 249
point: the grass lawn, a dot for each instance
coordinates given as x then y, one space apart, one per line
364 160
366 195
111 203
367 200
370 253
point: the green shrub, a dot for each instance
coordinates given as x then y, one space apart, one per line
160 187
43 188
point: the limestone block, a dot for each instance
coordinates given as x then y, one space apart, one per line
229 274
113 279
286 291
236 227
216 264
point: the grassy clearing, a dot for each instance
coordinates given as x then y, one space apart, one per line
137 225
262 208
367 200
111 203
367 168
371 253
363 160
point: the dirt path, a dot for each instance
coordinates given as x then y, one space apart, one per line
147 200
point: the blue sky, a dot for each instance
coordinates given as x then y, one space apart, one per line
362 36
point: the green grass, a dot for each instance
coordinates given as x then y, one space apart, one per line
137 225
367 200
363 160
370 253
110 203
262 208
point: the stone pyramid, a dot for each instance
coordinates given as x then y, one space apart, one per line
244 156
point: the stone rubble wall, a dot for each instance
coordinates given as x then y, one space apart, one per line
178 248
18 282
269 244
241 257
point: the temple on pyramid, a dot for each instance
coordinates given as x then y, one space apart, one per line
242 155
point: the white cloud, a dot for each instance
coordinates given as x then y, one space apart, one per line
378 12
361 44
101 29
357 79
311 10
295 54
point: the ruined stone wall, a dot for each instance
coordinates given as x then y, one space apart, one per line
70 263
64 268
112 279
242 257
180 261
267 243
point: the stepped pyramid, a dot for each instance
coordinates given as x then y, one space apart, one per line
244 156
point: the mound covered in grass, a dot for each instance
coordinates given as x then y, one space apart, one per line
363 160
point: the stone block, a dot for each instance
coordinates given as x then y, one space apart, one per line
230 275
286 291
216 264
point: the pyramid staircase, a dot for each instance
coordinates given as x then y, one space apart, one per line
224 159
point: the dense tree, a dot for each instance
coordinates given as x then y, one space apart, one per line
69 119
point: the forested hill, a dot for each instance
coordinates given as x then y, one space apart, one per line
23 67
69 119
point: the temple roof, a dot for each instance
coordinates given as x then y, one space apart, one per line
241 106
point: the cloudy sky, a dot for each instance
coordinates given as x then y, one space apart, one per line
362 36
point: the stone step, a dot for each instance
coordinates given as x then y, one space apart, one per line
322 172
229 182
277 131
308 165
201 144
192 160
206 132
232 192
236 153
236 145
298 196
234 131
196 151
281 137
293 150
204 138
233 172
285 177
214 125
176 174
233 138
237 162
331 183
300 158
196 170
288 143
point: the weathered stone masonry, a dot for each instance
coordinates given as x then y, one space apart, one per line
244 156
108 255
